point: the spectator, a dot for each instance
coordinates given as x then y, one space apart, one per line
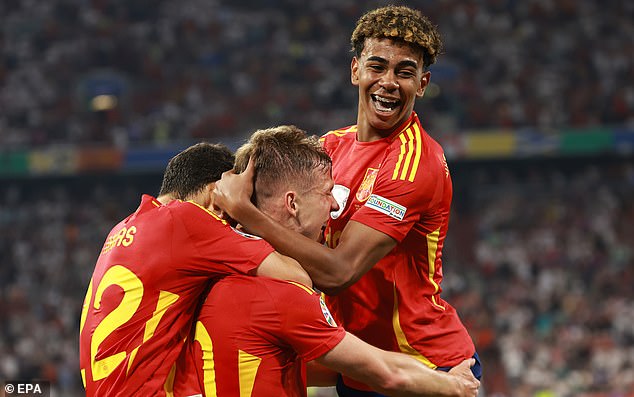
172 70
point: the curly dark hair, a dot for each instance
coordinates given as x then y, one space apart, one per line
399 23
189 171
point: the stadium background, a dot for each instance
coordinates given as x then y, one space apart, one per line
533 102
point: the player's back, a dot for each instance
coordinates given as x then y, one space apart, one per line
253 336
147 282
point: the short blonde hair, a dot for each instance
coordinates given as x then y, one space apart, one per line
285 157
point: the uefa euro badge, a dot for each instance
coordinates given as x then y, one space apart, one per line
368 184
326 312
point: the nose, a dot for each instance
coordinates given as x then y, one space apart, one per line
388 81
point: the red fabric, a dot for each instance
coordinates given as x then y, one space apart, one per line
280 323
171 252
400 186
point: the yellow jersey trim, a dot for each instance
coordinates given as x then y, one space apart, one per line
403 344
209 212
302 286
410 154
432 249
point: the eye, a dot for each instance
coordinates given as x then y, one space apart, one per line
406 74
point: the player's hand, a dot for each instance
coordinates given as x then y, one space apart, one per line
467 383
233 191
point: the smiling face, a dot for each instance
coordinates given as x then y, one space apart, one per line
390 77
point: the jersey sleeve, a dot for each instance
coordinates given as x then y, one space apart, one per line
219 248
306 323
409 182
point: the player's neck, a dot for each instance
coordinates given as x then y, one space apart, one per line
165 198
366 133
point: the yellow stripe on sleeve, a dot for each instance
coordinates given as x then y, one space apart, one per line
400 157
418 139
409 156
410 151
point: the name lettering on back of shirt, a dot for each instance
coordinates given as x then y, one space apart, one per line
122 237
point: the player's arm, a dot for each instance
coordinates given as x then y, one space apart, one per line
397 374
332 270
283 268
319 375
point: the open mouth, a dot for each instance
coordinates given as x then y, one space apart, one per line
383 104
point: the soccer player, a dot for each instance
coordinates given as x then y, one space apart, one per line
394 190
254 334
151 273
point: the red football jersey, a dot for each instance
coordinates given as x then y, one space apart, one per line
146 285
399 185
253 336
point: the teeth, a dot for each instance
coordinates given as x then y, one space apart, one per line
384 104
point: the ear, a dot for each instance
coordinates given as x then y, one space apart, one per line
290 203
207 196
354 71
424 81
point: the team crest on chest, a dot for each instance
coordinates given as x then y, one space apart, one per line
365 189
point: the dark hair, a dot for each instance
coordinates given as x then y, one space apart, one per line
189 171
283 156
402 24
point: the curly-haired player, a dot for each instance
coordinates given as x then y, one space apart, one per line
394 191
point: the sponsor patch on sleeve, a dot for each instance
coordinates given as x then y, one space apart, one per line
387 207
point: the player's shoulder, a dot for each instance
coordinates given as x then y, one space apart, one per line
286 290
193 211
277 292
415 156
413 138
339 134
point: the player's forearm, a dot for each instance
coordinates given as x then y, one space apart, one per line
412 378
320 262
394 374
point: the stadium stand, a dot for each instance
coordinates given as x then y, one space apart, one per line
150 72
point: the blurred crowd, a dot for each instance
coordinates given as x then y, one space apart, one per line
148 72
539 262
50 234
